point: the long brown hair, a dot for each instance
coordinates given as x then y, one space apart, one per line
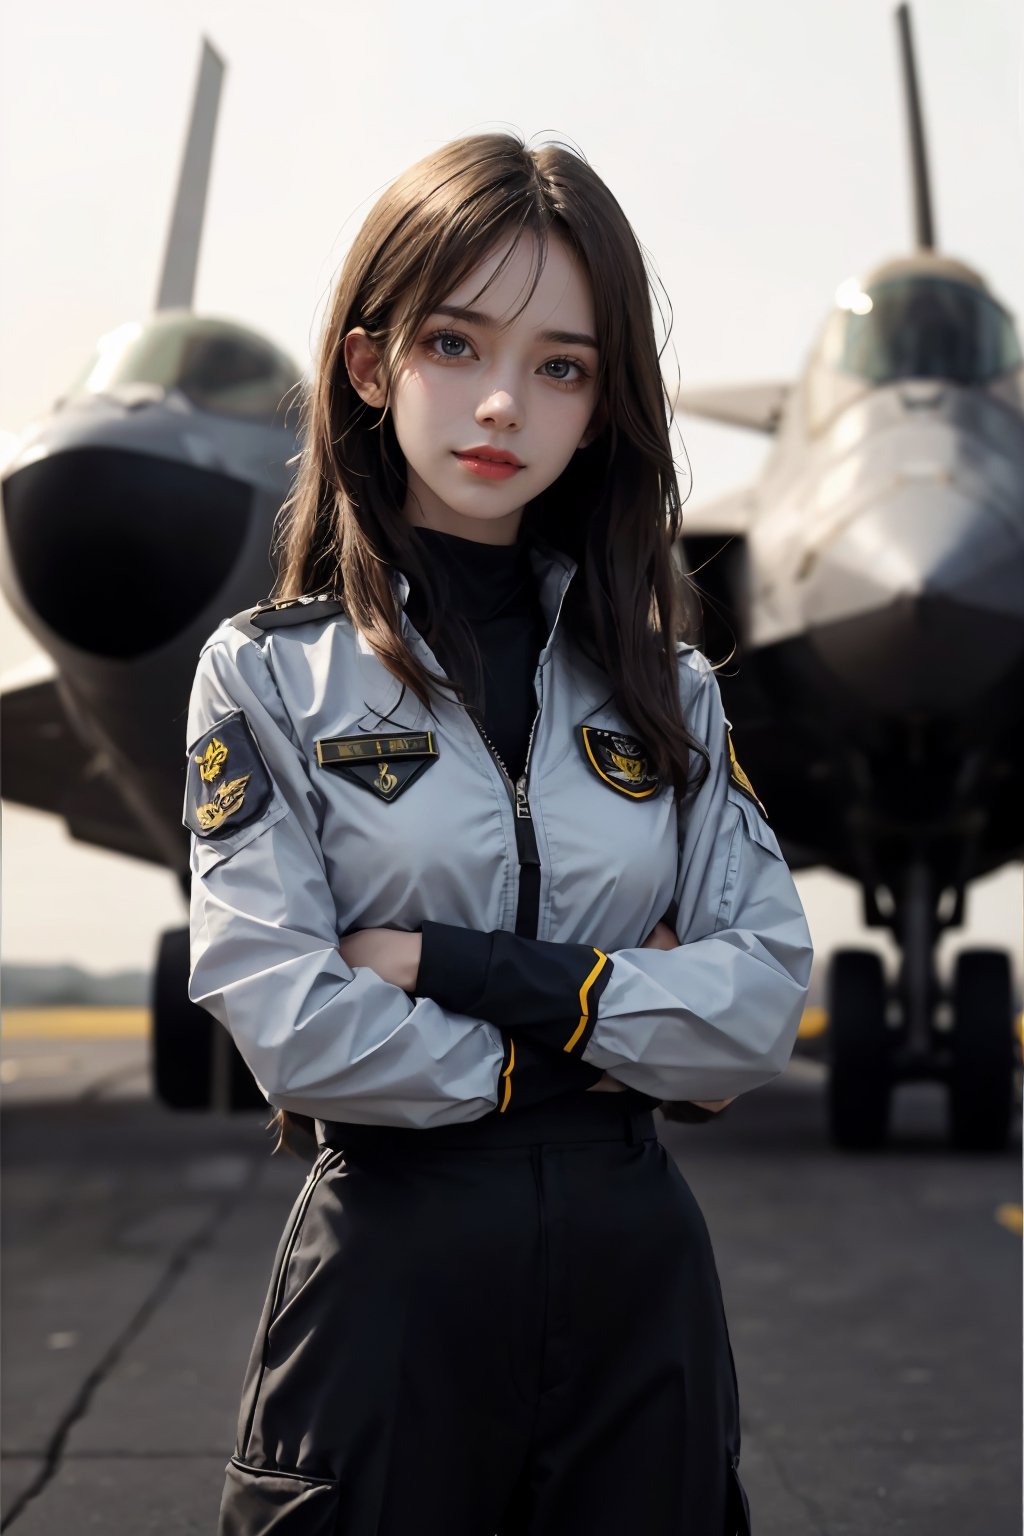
615 509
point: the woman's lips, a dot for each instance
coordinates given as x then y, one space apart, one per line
488 469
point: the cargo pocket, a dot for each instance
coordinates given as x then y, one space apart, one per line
256 1372
739 1505
263 1501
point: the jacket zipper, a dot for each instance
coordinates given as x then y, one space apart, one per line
528 908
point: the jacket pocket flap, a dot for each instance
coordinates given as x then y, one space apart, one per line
211 850
757 828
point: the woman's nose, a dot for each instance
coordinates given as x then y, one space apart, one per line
498 410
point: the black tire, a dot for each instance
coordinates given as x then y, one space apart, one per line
982 1056
183 1038
859 1083
182 1032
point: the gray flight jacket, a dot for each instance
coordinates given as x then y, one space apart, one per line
322 798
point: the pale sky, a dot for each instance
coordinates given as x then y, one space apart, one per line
759 152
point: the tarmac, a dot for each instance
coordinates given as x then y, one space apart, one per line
874 1299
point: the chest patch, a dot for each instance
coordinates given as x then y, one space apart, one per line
620 761
227 784
385 764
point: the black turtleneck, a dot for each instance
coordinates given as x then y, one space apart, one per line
528 988
494 588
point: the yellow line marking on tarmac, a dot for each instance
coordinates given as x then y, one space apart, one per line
136 1024
813 1023
75 1024
1011 1217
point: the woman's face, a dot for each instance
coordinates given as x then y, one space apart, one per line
529 390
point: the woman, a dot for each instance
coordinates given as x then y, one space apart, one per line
477 884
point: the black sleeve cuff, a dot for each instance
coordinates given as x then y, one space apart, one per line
551 990
453 966
530 1072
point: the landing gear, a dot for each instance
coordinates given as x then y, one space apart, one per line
195 1063
977 1059
859 1084
982 1054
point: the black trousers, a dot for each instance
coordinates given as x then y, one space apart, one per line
508 1328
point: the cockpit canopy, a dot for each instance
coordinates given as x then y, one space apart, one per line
919 327
221 367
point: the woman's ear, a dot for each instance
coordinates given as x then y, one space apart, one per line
363 365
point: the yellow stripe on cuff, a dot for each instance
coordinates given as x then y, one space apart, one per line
581 1026
507 1075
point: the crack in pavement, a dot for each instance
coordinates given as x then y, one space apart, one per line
178 1263
813 1508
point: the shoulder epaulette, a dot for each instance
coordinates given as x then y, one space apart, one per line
271 614
295 610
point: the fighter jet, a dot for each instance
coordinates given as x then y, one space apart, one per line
868 595
871 583
135 515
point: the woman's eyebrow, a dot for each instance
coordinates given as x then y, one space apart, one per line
477 317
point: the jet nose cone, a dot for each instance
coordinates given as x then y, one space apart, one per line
116 551
917 603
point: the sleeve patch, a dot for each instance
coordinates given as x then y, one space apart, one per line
228 785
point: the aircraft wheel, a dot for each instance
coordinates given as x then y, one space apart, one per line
982 1046
858 1045
184 1036
182 1032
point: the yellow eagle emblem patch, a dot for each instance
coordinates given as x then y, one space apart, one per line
228 799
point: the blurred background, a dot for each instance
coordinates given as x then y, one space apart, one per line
761 155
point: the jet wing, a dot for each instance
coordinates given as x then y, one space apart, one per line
729 516
45 765
757 406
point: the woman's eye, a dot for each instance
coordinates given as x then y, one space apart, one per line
565 362
446 346
443 337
